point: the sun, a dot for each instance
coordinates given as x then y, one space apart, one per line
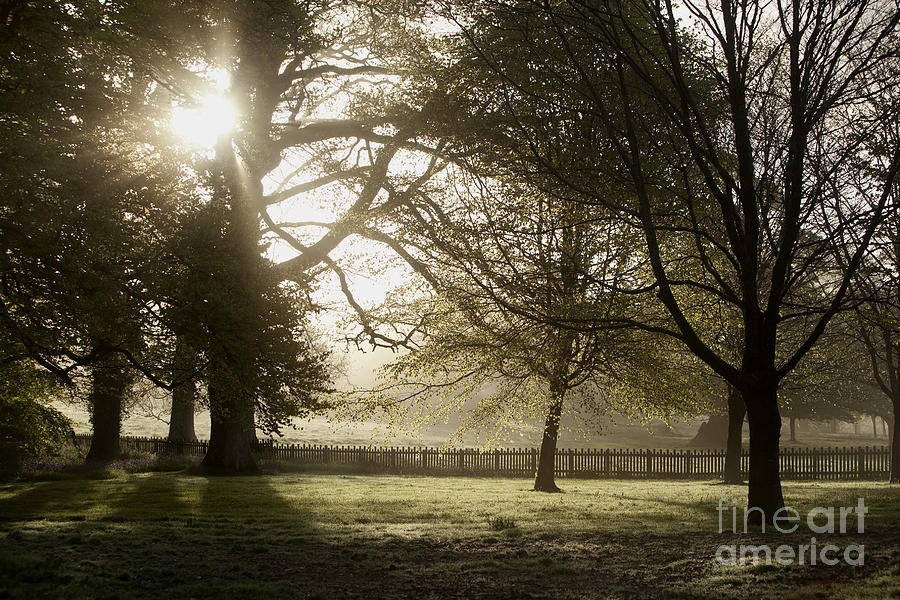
201 121
201 124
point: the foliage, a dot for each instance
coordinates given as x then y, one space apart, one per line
525 319
29 427
86 191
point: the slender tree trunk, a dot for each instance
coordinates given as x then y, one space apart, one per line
765 432
545 480
875 426
884 428
834 426
793 428
109 382
734 444
229 443
895 442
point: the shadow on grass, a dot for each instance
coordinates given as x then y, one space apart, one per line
179 535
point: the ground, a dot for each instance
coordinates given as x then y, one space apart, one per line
114 534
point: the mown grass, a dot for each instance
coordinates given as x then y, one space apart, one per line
177 535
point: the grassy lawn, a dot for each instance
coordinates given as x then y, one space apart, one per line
177 535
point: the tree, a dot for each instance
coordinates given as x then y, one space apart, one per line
524 325
832 380
29 426
877 330
774 212
81 195
292 67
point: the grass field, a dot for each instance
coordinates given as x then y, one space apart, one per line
112 534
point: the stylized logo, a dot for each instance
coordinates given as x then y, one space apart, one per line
819 520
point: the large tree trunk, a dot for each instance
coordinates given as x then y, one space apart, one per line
233 368
229 447
765 432
230 413
545 480
229 443
734 444
181 419
109 382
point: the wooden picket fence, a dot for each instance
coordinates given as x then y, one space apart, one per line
869 462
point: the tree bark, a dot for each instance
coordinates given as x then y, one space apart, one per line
545 479
109 382
250 428
229 448
895 443
734 444
229 443
232 367
875 426
793 428
181 419
765 432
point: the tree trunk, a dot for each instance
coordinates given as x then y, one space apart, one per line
181 420
250 428
765 432
229 443
712 434
895 443
875 426
834 426
233 368
544 480
109 382
793 428
736 412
